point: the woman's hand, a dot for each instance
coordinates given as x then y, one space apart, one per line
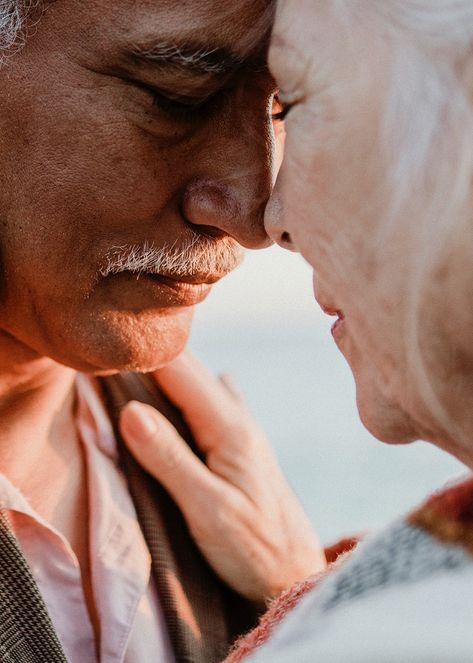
239 508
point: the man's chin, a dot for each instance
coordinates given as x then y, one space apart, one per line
137 365
119 342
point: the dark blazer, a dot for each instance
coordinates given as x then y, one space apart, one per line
204 616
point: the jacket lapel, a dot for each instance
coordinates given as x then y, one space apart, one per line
26 631
203 615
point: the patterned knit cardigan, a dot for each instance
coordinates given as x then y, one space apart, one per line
404 595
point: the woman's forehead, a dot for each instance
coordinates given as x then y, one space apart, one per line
297 35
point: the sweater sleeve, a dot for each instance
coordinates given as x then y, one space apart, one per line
278 608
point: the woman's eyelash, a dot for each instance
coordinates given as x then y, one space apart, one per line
281 115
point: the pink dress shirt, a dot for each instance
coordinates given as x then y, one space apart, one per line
131 621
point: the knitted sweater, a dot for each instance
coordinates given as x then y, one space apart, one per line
404 595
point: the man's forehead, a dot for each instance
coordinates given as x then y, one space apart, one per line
210 27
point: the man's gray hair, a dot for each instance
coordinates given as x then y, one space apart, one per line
13 15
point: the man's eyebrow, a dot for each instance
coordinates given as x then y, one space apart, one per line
190 57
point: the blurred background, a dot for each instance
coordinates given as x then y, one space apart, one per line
262 325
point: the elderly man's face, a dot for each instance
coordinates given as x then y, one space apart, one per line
136 136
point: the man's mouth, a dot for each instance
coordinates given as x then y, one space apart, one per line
169 276
190 279
181 290
146 290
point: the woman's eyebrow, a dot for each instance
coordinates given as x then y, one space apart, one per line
189 57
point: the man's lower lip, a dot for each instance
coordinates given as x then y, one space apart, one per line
143 291
179 293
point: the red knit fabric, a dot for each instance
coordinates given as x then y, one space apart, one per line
342 547
448 515
285 603
455 503
278 609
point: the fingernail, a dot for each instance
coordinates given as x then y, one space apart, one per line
138 420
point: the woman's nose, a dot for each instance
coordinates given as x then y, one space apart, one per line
274 221
218 206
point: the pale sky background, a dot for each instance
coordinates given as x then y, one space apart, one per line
262 324
270 287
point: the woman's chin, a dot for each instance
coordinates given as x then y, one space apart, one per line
385 421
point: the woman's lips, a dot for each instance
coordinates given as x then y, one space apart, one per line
338 324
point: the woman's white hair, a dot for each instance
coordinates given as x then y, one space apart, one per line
427 140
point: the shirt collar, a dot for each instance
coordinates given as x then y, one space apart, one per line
92 417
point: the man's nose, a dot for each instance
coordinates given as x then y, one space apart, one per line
274 221
230 192
218 206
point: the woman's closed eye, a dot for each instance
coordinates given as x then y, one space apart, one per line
280 108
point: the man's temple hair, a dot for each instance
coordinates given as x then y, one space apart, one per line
13 16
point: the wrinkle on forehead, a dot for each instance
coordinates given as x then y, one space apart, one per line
289 63
241 24
282 46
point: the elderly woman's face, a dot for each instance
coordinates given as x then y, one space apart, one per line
331 183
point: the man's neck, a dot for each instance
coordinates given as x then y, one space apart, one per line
38 440
40 450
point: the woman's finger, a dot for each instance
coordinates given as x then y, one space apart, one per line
212 412
158 447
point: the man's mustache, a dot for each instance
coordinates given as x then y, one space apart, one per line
199 257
